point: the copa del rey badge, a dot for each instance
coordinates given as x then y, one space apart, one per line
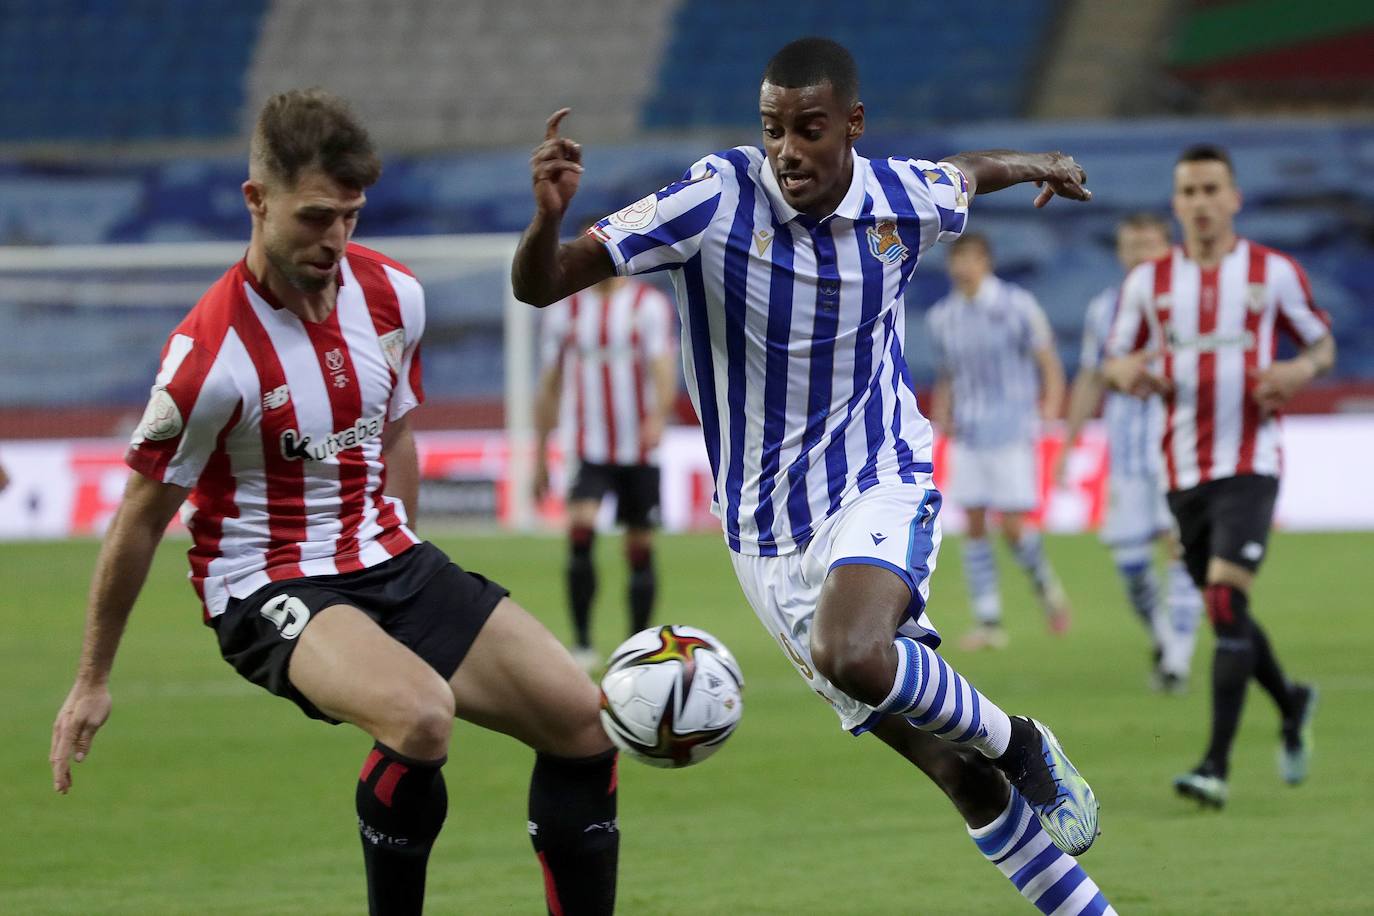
393 346
637 215
161 419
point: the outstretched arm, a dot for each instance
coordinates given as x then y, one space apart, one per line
1053 173
1084 395
544 271
138 526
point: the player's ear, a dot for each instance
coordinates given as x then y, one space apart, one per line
255 197
854 127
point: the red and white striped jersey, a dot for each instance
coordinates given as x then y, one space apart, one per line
276 426
1215 330
603 345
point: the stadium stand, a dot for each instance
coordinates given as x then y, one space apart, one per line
124 70
457 94
712 63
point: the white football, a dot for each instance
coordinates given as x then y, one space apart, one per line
671 696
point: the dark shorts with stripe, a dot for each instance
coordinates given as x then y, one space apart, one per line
636 489
420 598
1229 518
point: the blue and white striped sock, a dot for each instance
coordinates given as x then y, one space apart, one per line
1142 586
980 568
936 699
1185 611
1030 555
1044 874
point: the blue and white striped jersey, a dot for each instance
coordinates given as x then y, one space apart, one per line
986 346
1134 426
792 330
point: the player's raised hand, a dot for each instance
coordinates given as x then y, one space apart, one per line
556 167
1063 177
86 709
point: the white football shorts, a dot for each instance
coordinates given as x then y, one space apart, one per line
895 526
1137 511
1003 478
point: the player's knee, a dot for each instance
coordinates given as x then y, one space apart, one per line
639 554
419 719
862 668
577 730
1227 610
580 538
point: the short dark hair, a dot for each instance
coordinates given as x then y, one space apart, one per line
1208 152
305 128
812 61
972 240
1144 219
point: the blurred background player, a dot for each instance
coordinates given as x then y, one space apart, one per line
1201 327
997 375
1137 517
789 263
610 375
281 413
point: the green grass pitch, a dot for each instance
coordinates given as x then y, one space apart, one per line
204 795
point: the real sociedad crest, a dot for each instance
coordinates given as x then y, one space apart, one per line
885 244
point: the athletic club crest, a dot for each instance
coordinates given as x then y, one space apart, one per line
885 244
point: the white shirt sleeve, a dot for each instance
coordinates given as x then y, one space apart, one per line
664 229
1298 314
1131 330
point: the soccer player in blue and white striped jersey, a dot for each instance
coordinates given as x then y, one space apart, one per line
995 355
1137 515
790 264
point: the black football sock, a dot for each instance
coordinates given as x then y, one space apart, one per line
643 586
1233 662
581 582
573 828
401 806
1269 673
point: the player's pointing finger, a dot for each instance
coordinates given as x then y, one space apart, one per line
551 125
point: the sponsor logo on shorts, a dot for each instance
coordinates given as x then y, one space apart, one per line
288 614
1252 551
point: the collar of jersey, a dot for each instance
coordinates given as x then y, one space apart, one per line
266 295
850 208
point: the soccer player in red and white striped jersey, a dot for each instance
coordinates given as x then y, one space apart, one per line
610 374
280 418
1200 327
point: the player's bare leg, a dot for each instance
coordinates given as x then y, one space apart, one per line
581 578
643 587
853 646
980 570
353 671
518 679
1029 552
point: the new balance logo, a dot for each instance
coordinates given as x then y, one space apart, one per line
275 398
878 538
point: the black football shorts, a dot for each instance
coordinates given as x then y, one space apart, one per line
422 599
1228 518
636 489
